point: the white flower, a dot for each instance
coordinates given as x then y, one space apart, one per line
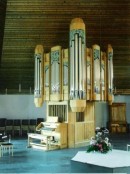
99 133
92 138
106 139
93 141
97 128
109 144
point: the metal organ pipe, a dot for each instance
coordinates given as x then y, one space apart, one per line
56 74
110 73
76 73
84 70
46 76
55 70
38 86
80 69
72 68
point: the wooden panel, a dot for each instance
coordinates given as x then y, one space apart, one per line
118 112
89 121
79 132
118 121
90 129
71 135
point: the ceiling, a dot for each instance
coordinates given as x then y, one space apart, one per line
46 22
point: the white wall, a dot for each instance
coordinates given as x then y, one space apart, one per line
102 110
20 107
101 114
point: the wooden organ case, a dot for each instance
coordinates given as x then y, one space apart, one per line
74 78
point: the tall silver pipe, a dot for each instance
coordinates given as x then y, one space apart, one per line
52 76
38 77
72 71
73 68
76 73
35 75
57 79
38 73
80 67
38 86
110 69
84 70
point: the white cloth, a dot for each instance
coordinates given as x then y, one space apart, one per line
112 159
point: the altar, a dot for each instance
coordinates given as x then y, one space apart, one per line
115 161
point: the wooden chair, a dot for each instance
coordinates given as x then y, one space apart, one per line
2 125
5 145
17 127
32 125
24 127
9 126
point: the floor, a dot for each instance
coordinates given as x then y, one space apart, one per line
28 160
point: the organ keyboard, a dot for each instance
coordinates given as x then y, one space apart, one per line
53 135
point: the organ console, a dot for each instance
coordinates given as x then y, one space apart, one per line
70 81
53 135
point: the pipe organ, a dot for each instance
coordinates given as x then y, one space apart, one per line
77 74
71 80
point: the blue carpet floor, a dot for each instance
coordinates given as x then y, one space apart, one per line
28 160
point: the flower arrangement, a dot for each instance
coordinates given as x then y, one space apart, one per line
100 142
